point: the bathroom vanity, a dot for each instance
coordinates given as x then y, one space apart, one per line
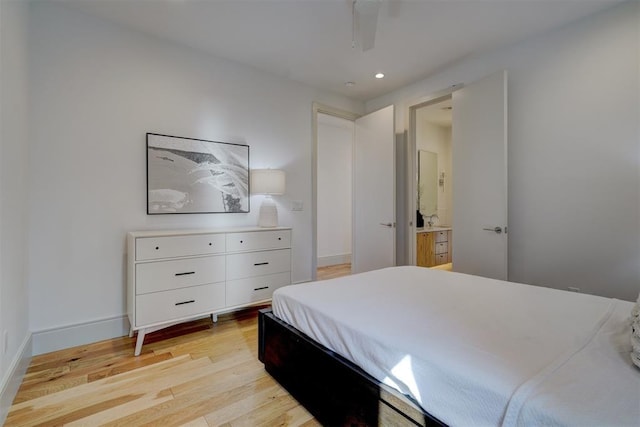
433 246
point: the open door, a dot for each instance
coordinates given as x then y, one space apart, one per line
374 192
479 148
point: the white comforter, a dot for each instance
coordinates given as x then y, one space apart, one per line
477 351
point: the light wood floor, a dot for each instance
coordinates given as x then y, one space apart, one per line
333 271
445 267
194 374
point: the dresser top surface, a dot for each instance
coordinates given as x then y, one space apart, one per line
183 232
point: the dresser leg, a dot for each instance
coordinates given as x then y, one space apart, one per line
131 332
214 318
139 341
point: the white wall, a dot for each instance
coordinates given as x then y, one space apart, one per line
14 310
437 139
335 170
574 146
96 89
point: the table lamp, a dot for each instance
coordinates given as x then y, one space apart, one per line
270 182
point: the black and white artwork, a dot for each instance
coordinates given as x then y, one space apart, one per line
186 175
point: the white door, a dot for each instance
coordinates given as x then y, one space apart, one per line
479 138
374 192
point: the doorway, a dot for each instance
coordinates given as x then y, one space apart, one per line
432 241
323 268
478 178
373 201
335 139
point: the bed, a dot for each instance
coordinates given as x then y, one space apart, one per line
415 346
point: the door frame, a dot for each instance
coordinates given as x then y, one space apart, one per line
412 162
331 111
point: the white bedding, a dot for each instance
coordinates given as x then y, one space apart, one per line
477 351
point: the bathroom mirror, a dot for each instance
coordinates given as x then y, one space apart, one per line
427 182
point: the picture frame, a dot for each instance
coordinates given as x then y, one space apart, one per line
196 176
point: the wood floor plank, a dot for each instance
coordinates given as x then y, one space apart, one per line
127 364
296 416
54 385
135 383
67 417
205 348
333 271
195 374
267 413
243 402
107 346
198 422
117 412
198 397
53 380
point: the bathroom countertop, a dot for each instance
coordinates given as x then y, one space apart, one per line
434 228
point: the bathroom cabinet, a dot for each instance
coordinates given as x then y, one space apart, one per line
433 247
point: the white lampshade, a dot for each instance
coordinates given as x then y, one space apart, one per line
270 182
267 181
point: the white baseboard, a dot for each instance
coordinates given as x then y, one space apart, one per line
53 339
13 378
324 261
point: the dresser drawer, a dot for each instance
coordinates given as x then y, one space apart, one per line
177 246
256 240
179 273
253 264
244 291
442 248
172 305
442 258
441 236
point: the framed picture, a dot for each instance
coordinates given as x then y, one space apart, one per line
187 175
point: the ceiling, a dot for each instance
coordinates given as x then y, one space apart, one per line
439 114
310 41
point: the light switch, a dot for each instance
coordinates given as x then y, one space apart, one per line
297 205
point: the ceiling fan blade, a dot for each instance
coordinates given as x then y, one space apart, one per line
366 16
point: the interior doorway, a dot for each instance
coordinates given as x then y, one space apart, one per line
477 238
322 114
335 140
373 198
432 134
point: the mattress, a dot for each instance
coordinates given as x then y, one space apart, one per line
477 351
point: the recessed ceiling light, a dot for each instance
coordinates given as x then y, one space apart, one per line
349 84
379 75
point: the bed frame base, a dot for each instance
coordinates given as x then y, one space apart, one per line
334 390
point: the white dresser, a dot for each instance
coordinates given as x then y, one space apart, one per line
174 276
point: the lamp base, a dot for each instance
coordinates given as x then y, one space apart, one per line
268 213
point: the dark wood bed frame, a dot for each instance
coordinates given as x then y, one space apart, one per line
334 390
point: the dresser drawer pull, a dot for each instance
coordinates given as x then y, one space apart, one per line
186 273
186 302
259 289
261 263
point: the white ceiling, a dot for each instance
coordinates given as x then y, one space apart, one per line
310 40
440 114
